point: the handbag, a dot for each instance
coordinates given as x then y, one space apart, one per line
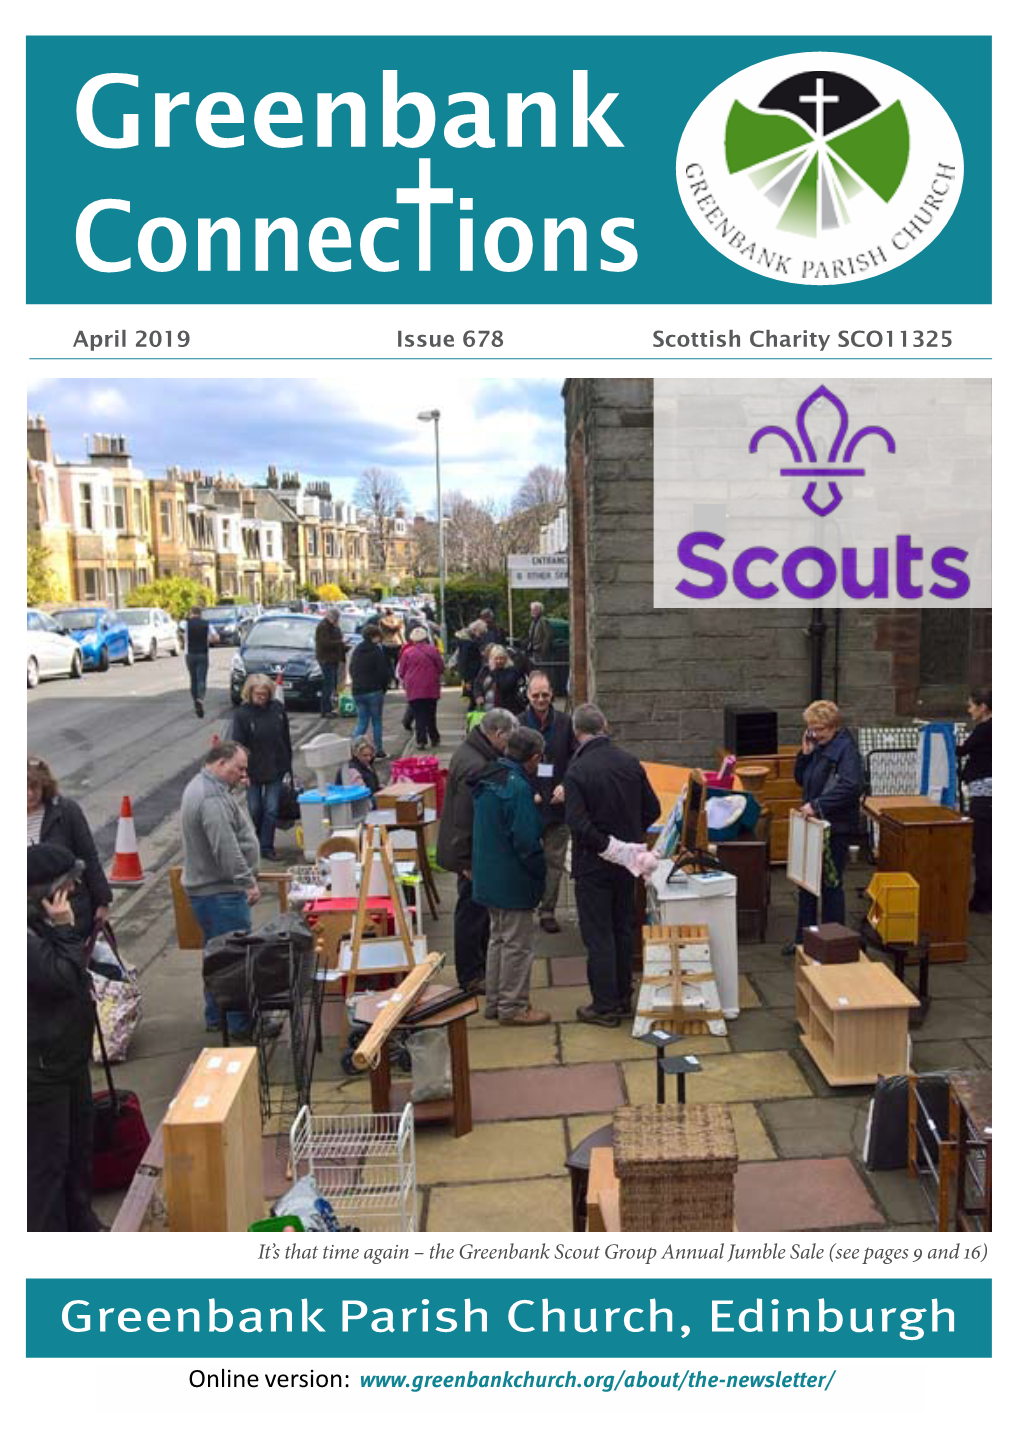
116 995
289 811
348 708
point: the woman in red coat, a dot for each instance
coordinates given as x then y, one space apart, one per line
420 670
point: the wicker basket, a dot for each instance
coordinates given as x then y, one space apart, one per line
676 1167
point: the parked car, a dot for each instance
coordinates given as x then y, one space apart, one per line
151 630
280 643
103 637
226 620
52 652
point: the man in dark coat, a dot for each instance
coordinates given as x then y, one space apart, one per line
608 796
484 744
558 734
60 1026
331 655
831 778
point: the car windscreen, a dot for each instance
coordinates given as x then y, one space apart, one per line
282 633
219 615
133 616
77 618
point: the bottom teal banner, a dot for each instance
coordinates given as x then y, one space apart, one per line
524 1317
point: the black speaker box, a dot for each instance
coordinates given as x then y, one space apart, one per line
751 731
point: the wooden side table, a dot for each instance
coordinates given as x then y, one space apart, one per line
387 1096
853 1019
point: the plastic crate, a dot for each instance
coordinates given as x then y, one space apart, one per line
895 907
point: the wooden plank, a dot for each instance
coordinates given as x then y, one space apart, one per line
603 1191
394 1010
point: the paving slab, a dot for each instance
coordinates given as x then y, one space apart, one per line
569 970
545 1091
591 1042
490 1152
983 1049
901 1198
814 1127
747 996
774 986
753 1143
954 1020
508 1046
945 1055
516 1206
580 1126
805 1195
763 1030
956 982
754 1076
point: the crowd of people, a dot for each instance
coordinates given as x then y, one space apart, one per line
528 783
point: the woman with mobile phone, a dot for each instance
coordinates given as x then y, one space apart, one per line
60 1025
831 777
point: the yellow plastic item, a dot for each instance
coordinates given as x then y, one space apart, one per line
895 907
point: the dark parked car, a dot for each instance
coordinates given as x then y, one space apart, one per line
227 619
280 643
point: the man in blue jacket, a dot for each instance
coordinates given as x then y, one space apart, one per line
831 777
508 874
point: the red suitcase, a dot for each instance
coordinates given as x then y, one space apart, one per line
120 1136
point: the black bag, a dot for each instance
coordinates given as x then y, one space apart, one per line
289 811
243 965
120 1136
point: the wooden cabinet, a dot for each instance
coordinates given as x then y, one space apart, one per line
778 792
212 1145
854 1020
748 861
934 845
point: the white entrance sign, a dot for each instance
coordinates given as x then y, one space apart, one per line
537 570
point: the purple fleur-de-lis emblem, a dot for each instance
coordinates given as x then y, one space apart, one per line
808 455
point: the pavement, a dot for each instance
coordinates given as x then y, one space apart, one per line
537 1092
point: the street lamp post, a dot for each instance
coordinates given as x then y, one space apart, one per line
433 417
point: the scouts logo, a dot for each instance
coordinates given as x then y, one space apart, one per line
804 455
820 169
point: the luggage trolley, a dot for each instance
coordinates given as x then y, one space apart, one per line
362 1164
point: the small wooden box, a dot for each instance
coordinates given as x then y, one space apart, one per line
410 809
398 789
831 944
212 1145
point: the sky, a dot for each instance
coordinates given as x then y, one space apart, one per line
491 433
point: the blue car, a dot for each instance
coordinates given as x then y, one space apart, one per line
103 637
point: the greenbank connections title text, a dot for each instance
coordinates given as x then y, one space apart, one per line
283 121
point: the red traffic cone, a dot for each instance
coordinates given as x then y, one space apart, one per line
127 863
278 691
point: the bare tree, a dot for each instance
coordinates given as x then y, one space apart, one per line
543 490
379 493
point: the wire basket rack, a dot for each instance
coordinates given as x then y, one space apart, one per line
362 1164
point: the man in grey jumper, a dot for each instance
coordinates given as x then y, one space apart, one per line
221 857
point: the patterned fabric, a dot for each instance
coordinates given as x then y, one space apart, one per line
118 1002
980 789
35 823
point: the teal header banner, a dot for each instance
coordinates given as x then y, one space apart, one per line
508 170
523 1318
